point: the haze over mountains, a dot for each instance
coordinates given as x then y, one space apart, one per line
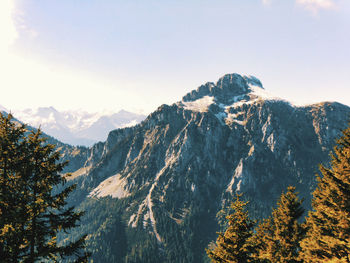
77 127
152 191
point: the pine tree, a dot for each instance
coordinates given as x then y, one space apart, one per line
11 226
233 245
32 213
277 239
288 232
262 240
328 237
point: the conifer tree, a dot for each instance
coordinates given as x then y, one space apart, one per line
262 240
328 237
278 238
32 213
11 226
233 246
288 232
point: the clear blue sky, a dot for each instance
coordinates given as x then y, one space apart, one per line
139 54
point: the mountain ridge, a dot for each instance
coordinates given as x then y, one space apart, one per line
151 192
169 175
77 127
228 86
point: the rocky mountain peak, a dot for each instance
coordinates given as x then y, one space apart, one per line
172 173
226 90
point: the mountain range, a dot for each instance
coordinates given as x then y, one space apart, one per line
77 127
152 191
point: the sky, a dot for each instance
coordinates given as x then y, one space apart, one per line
136 55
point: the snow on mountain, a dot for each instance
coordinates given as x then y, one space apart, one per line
77 127
200 105
166 179
232 90
2 109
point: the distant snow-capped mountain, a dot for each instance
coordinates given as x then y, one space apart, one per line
77 127
3 109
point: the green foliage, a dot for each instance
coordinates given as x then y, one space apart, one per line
328 237
234 245
31 214
11 226
325 237
288 231
262 240
107 238
112 240
277 239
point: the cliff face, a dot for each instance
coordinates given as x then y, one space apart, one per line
174 171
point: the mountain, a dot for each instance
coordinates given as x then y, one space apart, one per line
151 192
3 109
77 127
75 155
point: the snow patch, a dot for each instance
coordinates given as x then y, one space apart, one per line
260 92
200 105
256 93
243 102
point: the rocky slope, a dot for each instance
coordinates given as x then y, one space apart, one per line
168 176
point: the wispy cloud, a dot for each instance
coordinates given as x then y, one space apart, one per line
316 5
